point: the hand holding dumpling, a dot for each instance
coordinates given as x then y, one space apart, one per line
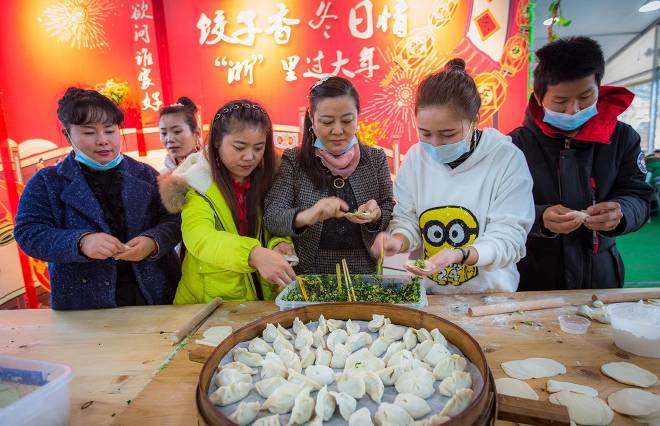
368 212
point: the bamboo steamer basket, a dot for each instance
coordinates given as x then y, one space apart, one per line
481 411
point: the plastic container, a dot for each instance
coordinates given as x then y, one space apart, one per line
47 404
636 328
573 324
398 279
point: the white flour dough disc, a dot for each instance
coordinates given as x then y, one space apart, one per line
533 368
515 387
584 409
554 386
629 374
213 336
634 402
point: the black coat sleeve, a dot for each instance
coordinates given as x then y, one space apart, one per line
630 189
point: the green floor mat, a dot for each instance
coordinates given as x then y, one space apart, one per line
641 255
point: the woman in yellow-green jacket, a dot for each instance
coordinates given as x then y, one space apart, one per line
219 192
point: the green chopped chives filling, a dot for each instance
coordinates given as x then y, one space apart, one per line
368 288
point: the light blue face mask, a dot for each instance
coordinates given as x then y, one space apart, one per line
445 154
318 144
569 122
82 158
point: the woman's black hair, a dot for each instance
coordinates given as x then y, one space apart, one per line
450 86
233 117
332 87
567 59
186 107
85 106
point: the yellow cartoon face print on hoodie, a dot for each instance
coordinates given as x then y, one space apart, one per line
446 228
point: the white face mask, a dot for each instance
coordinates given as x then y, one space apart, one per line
445 154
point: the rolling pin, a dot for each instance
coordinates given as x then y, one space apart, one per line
195 321
627 296
528 305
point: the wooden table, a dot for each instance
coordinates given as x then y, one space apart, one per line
132 348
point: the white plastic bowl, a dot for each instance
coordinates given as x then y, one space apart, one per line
636 328
48 404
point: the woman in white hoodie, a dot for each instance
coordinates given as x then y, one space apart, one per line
463 194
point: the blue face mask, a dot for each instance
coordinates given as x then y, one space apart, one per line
445 154
319 145
569 122
82 158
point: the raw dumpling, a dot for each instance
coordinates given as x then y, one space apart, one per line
434 420
307 357
334 324
403 358
361 361
245 413
378 347
361 417
273 420
376 323
273 366
325 404
629 374
246 357
301 379
392 349
322 326
336 337
297 326
304 338
390 414
351 384
437 353
390 375
533 368
238 366
392 332
423 349
320 374
438 337
318 338
554 386
227 376
291 360
346 404
270 333
323 357
339 355
357 341
259 346
280 344
410 338
448 365
352 327
303 408
229 394
414 405
457 381
423 335
417 382
267 386
515 387
374 386
316 421
284 332
281 402
584 409
457 403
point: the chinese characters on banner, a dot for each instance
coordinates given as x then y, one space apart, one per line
144 59
363 21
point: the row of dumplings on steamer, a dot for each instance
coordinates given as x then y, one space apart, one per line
294 363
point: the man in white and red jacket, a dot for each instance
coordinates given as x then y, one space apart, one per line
582 160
